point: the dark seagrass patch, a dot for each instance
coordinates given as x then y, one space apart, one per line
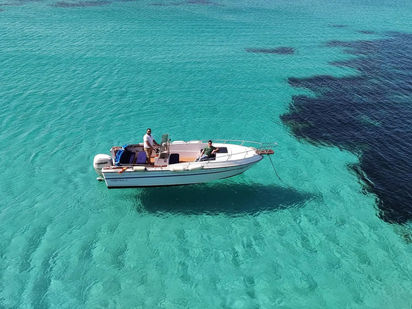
338 26
277 50
64 4
367 32
368 114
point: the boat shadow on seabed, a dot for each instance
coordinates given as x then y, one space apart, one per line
230 199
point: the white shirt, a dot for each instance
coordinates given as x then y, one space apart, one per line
147 140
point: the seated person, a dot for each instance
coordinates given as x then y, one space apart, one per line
208 152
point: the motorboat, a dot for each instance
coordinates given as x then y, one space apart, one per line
176 163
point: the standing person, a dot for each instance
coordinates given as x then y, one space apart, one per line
208 153
148 144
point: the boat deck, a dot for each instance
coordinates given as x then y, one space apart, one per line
181 159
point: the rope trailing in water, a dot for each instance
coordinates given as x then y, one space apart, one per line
276 171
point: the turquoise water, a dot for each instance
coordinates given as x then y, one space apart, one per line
78 78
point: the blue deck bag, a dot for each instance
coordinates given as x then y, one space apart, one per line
124 156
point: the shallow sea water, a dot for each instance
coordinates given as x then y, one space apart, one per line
79 77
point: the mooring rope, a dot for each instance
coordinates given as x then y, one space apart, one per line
277 172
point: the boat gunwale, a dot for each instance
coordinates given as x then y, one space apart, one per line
110 170
168 185
204 164
186 173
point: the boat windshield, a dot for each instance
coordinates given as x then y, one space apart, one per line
164 145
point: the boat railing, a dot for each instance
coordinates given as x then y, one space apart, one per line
241 142
255 147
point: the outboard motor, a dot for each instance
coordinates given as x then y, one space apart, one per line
100 161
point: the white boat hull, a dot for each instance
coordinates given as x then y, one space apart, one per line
177 163
133 179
